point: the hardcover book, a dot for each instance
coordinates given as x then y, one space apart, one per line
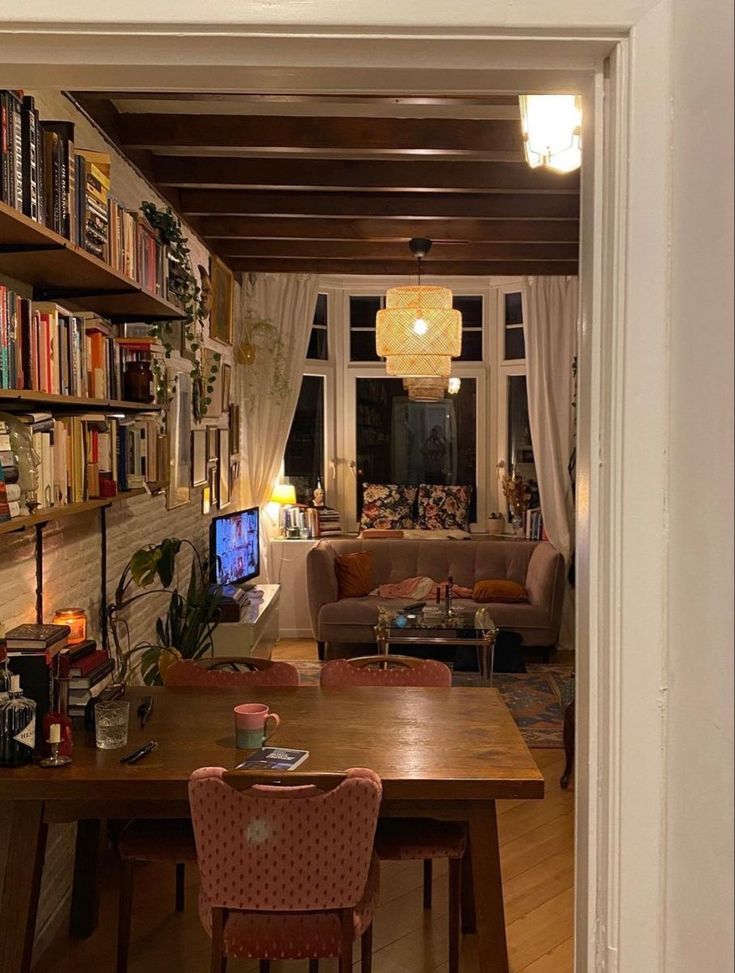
273 758
35 636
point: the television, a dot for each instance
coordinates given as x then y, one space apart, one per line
234 547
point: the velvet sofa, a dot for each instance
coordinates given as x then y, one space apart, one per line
341 623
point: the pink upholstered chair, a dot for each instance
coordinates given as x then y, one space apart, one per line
287 872
173 841
401 839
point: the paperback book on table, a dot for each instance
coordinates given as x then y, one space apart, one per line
273 758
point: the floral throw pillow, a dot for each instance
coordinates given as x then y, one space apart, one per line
387 506
443 507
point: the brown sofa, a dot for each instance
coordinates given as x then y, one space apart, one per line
350 621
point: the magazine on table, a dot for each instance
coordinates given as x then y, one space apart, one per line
273 758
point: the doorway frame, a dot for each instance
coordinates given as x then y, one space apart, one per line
623 379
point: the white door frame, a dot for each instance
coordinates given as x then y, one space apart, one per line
623 367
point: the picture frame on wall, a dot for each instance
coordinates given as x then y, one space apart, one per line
213 484
213 378
225 385
220 316
234 413
212 444
223 463
198 457
206 499
179 439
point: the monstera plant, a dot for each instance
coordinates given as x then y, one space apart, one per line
183 631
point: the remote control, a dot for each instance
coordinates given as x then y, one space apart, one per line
415 607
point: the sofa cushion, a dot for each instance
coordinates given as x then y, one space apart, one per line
388 506
499 590
443 507
354 574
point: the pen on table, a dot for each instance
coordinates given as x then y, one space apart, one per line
136 755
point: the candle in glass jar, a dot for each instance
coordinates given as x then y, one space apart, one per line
76 619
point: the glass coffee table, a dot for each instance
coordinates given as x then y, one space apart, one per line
461 626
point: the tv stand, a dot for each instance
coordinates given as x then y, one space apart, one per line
257 630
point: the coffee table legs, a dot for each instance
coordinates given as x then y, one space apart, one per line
492 947
24 848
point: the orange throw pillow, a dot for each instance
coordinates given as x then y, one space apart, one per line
499 590
354 574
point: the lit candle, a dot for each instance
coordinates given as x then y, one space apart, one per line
54 733
76 619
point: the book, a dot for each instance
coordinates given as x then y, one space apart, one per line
273 758
78 698
87 665
35 636
80 650
91 678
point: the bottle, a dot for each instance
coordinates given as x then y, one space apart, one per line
17 727
448 596
4 677
58 713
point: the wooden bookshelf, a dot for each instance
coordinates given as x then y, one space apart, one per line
62 511
58 270
15 400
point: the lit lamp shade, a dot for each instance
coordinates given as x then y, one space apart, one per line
284 494
419 366
425 389
551 126
418 321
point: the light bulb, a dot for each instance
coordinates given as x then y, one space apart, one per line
420 326
454 385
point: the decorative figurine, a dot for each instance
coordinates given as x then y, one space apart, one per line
318 495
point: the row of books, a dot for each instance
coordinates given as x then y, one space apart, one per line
46 177
82 458
533 525
310 521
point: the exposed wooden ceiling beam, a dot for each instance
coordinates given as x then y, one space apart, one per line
414 176
513 231
471 268
398 136
202 202
287 98
364 250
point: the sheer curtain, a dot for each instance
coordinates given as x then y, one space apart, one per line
550 314
267 409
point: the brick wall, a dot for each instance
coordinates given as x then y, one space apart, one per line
71 570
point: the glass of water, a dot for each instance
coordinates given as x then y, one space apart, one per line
111 724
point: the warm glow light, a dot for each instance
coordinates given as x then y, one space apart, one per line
418 366
284 494
551 126
418 332
454 385
76 619
420 326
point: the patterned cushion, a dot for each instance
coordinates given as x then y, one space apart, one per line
443 507
188 673
387 506
416 839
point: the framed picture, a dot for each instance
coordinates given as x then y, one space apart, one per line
235 428
224 468
220 317
198 457
179 439
225 385
206 499
212 444
213 484
213 378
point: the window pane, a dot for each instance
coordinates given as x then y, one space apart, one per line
318 345
471 310
400 441
303 462
320 314
363 311
513 308
471 346
362 346
515 345
520 447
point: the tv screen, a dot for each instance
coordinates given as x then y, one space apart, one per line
234 547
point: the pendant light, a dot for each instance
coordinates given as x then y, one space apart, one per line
429 389
418 332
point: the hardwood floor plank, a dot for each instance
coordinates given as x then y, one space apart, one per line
559 959
531 936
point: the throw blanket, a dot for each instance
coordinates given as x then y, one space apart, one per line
419 589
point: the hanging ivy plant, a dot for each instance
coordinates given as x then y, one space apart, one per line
186 293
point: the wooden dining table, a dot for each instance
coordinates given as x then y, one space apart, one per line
441 753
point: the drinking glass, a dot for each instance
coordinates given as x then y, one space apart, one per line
111 724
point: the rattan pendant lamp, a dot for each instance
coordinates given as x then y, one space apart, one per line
418 332
429 389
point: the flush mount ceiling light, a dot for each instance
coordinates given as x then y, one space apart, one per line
426 389
552 131
418 332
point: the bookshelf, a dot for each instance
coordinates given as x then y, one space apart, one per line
16 399
44 515
58 270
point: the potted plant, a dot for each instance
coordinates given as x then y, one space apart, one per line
184 631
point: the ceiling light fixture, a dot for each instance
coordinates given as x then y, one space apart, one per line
454 385
418 332
425 389
552 131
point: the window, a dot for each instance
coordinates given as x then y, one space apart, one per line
471 310
318 349
401 441
303 461
362 327
520 447
515 346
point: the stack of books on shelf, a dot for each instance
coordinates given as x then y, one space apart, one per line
47 178
329 521
533 525
90 671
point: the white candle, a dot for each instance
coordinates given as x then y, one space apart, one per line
54 733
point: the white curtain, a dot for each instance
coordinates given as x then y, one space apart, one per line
550 316
268 388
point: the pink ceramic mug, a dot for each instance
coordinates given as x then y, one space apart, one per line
251 721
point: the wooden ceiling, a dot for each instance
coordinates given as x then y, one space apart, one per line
338 184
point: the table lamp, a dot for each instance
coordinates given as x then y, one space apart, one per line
283 494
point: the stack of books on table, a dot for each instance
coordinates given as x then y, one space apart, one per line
330 521
31 651
90 671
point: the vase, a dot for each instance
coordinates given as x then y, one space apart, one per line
517 523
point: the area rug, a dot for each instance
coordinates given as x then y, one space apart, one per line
536 698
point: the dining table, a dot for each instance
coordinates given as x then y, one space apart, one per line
444 753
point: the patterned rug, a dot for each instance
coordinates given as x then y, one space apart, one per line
536 698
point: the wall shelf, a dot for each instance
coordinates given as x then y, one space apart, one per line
14 400
62 511
58 270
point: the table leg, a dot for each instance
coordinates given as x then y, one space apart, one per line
467 899
492 947
90 843
25 837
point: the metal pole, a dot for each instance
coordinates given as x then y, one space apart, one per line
103 579
39 573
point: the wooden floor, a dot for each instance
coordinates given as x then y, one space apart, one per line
537 861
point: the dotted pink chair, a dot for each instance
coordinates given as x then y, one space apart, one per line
415 839
287 872
157 840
